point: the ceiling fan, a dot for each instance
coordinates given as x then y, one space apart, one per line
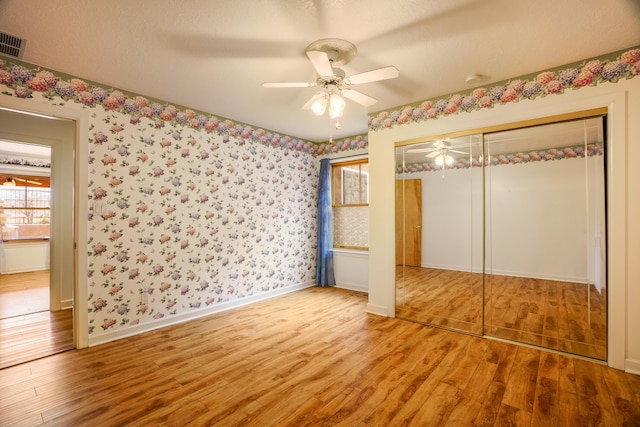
326 55
10 181
439 151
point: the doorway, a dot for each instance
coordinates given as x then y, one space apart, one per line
39 268
514 234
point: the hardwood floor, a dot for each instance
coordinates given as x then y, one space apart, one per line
32 336
28 330
440 297
24 293
314 358
563 316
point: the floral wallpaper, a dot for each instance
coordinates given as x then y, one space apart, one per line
506 159
592 72
186 210
189 219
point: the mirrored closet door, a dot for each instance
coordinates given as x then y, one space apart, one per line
545 252
503 234
439 233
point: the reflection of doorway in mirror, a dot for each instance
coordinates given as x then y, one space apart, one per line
409 222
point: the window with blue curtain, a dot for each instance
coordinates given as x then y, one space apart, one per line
324 268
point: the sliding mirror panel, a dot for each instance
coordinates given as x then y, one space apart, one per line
545 242
439 233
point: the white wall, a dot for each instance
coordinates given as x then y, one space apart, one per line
542 231
22 257
351 269
623 102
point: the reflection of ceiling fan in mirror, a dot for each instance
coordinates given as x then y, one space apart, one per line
440 152
325 56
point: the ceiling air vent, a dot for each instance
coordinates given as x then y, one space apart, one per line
12 45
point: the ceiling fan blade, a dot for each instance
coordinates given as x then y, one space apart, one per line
320 61
421 150
434 154
385 73
456 151
359 97
28 181
288 84
318 95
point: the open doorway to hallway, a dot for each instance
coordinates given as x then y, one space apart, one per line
28 329
36 269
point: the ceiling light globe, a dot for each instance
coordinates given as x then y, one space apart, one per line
337 106
319 106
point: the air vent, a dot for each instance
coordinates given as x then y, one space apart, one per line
12 45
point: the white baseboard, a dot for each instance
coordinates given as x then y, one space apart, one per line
379 310
66 304
632 366
509 273
353 287
25 270
180 318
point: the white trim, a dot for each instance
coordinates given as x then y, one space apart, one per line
617 273
379 310
352 287
632 366
196 314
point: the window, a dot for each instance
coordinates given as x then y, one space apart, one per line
350 199
25 207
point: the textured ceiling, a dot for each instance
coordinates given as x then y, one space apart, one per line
214 55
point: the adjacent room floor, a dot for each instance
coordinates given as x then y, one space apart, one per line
28 330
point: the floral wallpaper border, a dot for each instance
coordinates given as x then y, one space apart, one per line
24 79
550 154
587 73
21 161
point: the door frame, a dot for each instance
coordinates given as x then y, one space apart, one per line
78 180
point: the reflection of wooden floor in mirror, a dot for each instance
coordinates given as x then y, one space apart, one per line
440 297
565 316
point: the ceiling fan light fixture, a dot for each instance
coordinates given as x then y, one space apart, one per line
337 105
444 159
9 182
319 106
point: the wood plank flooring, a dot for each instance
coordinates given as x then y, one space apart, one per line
32 336
440 297
28 330
24 293
313 358
564 316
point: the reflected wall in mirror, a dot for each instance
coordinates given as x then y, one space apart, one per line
439 233
545 271
504 234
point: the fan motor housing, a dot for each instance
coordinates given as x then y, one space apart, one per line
335 80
